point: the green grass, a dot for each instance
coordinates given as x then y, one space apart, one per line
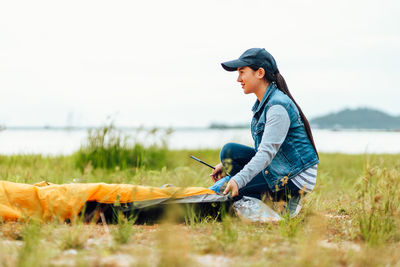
351 218
109 148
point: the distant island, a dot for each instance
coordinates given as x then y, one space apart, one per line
359 118
216 125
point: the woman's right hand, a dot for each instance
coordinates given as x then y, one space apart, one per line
217 172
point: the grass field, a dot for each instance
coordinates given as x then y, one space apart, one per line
351 218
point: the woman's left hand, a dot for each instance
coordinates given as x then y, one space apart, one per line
233 187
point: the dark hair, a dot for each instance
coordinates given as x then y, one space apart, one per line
280 82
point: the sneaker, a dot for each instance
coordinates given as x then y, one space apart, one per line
294 205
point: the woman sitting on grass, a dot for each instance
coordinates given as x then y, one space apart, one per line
283 163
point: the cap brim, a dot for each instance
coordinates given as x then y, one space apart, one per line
233 64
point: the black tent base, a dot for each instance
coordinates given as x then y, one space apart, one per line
179 212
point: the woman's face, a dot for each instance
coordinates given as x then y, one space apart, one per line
249 79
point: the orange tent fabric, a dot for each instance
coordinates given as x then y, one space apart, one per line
50 201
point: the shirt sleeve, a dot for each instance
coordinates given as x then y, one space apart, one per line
275 131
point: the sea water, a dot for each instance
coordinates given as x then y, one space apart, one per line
55 142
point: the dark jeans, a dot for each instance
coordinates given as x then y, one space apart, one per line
235 156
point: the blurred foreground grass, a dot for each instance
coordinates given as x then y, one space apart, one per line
351 218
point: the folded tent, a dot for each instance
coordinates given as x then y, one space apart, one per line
47 201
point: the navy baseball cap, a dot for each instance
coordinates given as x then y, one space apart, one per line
254 56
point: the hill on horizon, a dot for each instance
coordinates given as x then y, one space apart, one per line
359 118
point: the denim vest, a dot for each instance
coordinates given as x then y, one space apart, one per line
296 153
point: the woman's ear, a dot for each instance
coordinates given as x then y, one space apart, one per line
260 73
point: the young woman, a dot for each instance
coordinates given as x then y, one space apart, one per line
283 163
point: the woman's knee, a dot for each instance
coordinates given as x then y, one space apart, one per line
226 151
234 151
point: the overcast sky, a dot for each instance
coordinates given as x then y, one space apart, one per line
158 62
